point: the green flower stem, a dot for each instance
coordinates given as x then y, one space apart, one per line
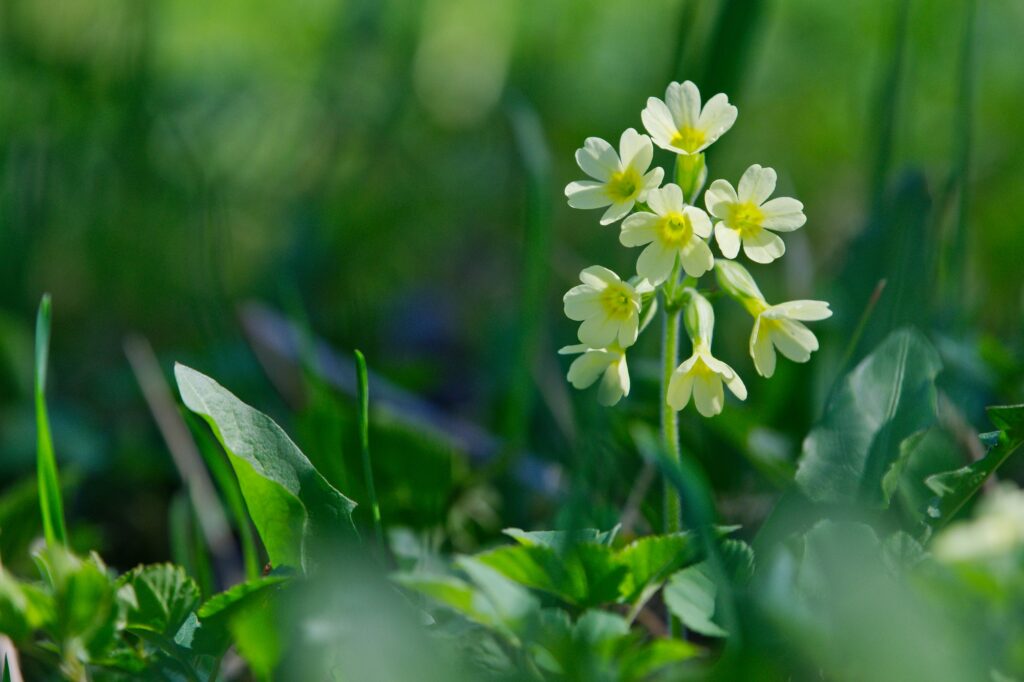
669 417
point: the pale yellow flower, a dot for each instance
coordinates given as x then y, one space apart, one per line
619 179
678 123
746 215
607 364
608 307
673 229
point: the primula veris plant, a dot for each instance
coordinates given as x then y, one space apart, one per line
675 233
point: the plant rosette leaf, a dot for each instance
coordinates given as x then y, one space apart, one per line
294 508
164 598
887 397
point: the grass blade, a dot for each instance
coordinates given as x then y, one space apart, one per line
50 501
363 407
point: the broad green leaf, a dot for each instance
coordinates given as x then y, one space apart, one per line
255 633
690 596
292 505
506 604
953 489
164 595
887 397
584 574
650 560
238 595
51 502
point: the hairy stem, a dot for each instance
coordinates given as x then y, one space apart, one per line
669 417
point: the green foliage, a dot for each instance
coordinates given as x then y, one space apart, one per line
164 598
293 506
886 398
51 501
953 489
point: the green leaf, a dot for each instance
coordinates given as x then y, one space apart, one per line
255 633
650 560
690 596
164 595
50 500
887 397
447 590
584 574
953 489
207 631
24 608
558 539
647 660
292 505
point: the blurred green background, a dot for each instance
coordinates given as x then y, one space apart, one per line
389 174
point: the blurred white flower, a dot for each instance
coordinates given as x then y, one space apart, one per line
678 123
608 307
702 375
747 216
607 364
997 529
620 180
673 229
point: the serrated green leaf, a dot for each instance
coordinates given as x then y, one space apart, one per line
584 574
207 631
24 608
446 590
650 560
164 595
293 506
953 489
558 539
887 397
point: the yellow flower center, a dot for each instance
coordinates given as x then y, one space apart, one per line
624 185
675 229
746 218
617 301
689 138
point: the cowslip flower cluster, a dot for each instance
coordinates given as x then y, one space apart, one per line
676 235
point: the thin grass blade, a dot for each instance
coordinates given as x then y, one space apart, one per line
51 502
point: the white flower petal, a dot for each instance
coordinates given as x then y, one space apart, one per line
719 197
581 302
657 200
683 101
573 349
716 118
656 262
617 211
728 240
587 368
651 181
638 229
783 214
658 121
699 220
696 258
614 383
598 159
757 184
587 194
679 388
762 350
708 394
736 385
629 329
636 150
794 340
598 276
762 247
808 311
598 331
